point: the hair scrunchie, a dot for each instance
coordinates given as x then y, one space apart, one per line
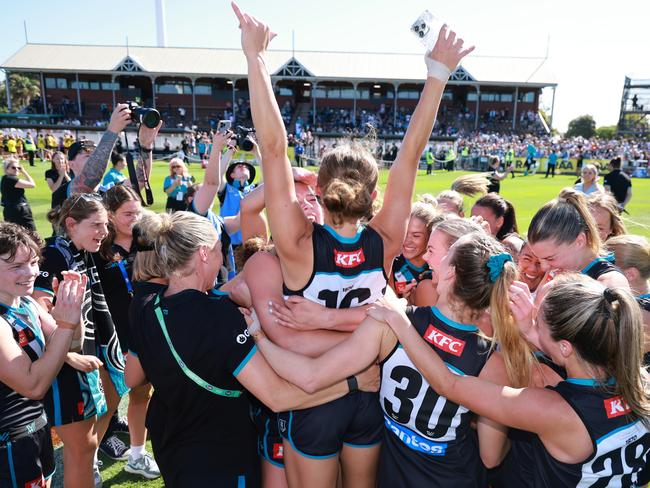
495 265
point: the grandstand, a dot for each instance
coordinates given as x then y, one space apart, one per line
328 92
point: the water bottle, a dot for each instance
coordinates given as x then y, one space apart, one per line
426 28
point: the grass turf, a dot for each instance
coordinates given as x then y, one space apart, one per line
527 193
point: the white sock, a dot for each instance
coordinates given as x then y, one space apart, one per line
137 451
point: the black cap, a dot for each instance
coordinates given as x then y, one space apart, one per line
77 147
232 165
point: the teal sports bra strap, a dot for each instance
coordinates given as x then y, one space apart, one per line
189 373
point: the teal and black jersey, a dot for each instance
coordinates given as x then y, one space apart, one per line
404 271
621 442
428 440
600 266
348 271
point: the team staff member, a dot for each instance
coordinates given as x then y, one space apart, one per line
16 208
91 384
176 185
591 429
198 418
237 183
33 346
114 265
618 183
346 183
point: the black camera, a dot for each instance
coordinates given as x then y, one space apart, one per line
243 138
150 117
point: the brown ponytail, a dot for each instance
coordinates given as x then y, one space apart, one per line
606 329
563 220
475 290
347 179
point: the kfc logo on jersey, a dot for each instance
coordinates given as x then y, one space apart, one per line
37 483
447 343
278 451
350 259
616 406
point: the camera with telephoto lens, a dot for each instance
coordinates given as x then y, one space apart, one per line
150 117
243 138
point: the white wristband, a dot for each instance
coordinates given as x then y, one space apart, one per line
436 69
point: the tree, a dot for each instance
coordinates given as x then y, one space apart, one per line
24 88
606 131
584 126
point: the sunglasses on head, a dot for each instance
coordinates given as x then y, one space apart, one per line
86 197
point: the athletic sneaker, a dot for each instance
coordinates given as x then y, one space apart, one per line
118 425
114 448
97 477
144 466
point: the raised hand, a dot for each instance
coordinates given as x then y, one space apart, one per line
255 35
69 298
221 139
305 176
120 118
448 50
522 306
147 136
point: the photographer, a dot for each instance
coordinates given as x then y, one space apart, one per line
88 162
237 183
176 185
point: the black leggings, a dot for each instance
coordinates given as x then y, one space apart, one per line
550 168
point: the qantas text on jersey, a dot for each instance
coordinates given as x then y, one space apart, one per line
349 259
447 343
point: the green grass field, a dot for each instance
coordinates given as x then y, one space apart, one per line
527 193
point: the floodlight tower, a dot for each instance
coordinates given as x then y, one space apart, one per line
634 118
161 34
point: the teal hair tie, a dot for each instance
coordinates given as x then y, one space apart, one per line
495 265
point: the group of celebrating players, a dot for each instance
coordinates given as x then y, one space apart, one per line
359 345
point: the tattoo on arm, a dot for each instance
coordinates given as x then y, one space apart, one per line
95 167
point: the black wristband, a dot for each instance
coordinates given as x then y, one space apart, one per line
353 385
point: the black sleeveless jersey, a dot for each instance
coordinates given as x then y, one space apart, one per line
428 439
404 272
16 410
600 266
348 272
644 302
621 443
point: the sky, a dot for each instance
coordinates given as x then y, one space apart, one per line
591 45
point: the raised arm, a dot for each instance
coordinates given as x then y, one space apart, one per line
95 167
290 228
391 221
147 140
26 181
251 214
204 198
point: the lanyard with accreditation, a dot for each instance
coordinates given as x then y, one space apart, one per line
189 373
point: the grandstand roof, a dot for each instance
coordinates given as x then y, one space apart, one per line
230 63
